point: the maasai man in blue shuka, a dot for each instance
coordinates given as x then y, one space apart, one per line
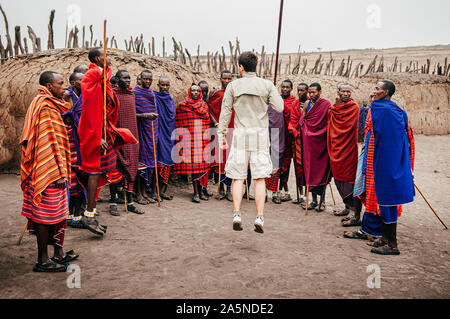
392 167
167 113
147 122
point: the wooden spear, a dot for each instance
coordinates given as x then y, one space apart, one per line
278 42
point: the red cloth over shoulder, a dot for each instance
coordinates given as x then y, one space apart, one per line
342 140
90 129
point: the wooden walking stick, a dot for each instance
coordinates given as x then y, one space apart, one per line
246 188
332 195
431 207
156 165
104 82
307 195
23 232
220 172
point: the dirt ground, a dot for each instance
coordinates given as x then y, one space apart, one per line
187 250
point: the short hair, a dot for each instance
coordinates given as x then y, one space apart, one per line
120 72
249 61
93 53
46 77
79 67
288 81
303 84
146 71
340 86
202 82
388 85
163 78
73 76
316 85
114 79
225 72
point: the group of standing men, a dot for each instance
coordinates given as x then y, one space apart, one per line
73 144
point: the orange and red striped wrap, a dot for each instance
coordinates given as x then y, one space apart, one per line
45 144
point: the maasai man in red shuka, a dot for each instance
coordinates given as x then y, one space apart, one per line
286 89
128 155
98 155
315 160
193 141
215 106
45 172
293 128
148 126
342 143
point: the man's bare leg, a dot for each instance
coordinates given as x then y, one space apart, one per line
237 190
260 195
92 203
260 199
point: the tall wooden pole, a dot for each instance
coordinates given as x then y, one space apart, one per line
278 42
104 81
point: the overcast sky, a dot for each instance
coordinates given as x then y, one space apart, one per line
313 24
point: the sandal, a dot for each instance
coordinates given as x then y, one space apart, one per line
299 201
165 196
320 207
203 196
196 198
94 222
385 250
276 200
311 205
356 235
229 197
377 243
351 222
49 266
207 193
344 212
76 223
134 209
141 200
113 210
68 257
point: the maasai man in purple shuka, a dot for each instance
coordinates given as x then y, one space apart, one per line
147 123
167 114
277 147
316 163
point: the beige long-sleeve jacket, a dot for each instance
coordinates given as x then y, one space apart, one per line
249 96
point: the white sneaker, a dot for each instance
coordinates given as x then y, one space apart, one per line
237 222
259 224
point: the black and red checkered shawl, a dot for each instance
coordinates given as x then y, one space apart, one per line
192 150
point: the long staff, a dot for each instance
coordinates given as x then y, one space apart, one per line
104 82
156 165
23 232
278 42
220 172
431 207
307 195
332 195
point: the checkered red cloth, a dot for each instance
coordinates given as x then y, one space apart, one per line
193 137
128 155
164 172
272 181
